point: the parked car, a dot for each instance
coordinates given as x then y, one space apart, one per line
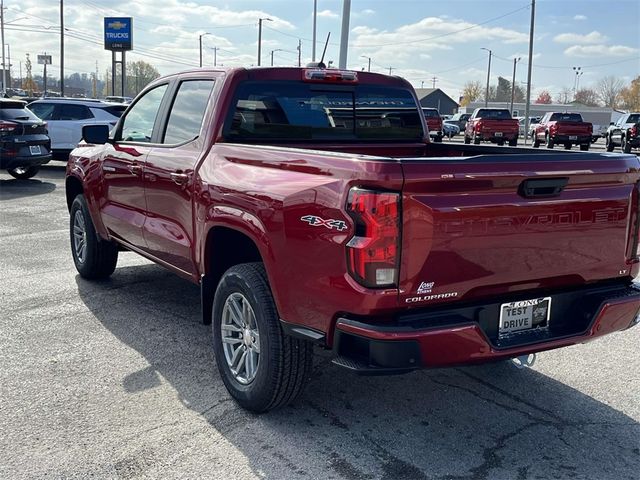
67 116
394 252
434 123
24 143
493 125
532 121
450 130
625 133
565 128
116 99
460 120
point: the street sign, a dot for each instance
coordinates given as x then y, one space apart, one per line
118 33
44 59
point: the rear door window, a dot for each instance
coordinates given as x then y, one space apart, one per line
74 112
44 111
187 112
635 118
295 111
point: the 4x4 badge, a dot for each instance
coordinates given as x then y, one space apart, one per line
321 222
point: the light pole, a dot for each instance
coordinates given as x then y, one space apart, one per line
215 56
576 81
315 19
344 34
62 48
273 51
513 83
260 36
200 42
4 71
368 58
486 95
527 105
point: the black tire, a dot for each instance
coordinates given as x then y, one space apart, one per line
500 142
513 142
23 173
567 146
438 139
608 141
536 142
467 140
284 362
99 258
548 141
476 139
626 146
585 147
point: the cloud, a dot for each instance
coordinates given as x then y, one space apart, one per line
362 30
578 39
605 50
328 14
580 18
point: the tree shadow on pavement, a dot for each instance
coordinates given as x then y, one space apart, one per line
487 422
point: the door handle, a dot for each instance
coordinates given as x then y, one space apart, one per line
179 177
135 169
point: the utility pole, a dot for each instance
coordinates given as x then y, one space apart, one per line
513 83
4 72
344 34
62 48
434 79
215 56
44 82
486 95
527 105
369 65
260 37
421 83
200 42
390 69
315 18
299 53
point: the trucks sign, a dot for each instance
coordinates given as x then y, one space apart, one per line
118 33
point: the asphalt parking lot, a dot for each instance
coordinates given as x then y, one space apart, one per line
116 379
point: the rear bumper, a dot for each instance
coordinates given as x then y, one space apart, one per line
493 138
468 335
7 162
570 138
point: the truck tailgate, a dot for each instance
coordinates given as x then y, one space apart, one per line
480 226
574 128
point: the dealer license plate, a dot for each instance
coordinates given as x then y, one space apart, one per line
35 150
573 137
498 134
524 315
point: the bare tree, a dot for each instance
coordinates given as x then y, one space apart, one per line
586 96
608 89
565 95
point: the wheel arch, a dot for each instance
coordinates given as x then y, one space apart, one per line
73 188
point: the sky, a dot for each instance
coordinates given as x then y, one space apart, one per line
417 39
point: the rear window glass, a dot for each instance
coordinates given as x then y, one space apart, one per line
431 113
12 105
635 118
116 110
566 117
498 114
17 114
294 111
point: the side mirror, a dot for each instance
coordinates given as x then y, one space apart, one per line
95 134
611 123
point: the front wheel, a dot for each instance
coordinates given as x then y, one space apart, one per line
94 258
548 141
513 142
261 367
625 145
609 143
23 173
476 139
438 139
536 142
467 140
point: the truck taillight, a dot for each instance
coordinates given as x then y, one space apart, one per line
478 127
633 131
373 253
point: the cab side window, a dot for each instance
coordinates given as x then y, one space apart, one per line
187 112
139 122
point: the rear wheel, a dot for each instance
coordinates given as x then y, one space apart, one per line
23 173
626 146
438 139
536 142
94 258
467 140
513 142
261 367
585 146
567 146
609 143
476 139
548 141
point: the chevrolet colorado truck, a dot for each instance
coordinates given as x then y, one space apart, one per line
625 132
565 128
492 125
311 208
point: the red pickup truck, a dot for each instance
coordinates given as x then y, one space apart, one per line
311 208
434 123
565 128
493 125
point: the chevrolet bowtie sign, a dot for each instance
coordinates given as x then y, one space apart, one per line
118 33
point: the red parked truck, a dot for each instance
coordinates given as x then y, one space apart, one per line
492 125
311 208
434 123
563 128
